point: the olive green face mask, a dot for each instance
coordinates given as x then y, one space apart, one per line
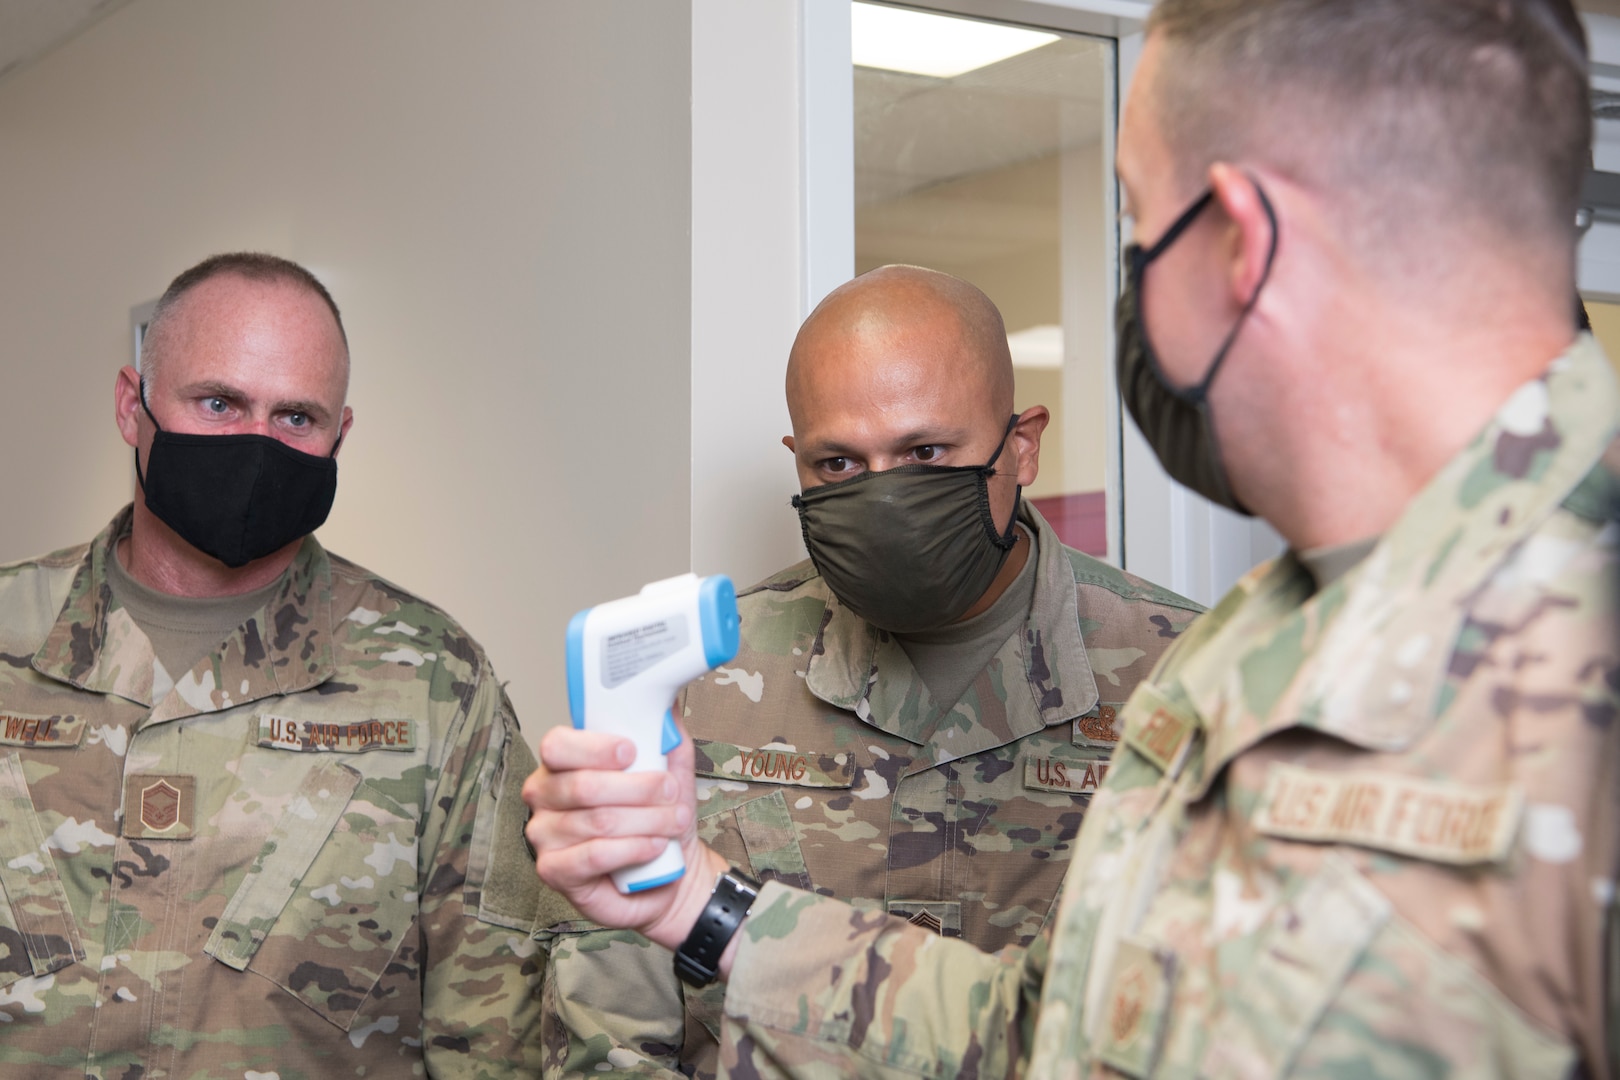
911 548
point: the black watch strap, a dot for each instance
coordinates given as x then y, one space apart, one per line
697 961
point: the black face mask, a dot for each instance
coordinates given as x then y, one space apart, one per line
911 548
235 497
1177 422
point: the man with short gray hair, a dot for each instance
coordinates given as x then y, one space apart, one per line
1365 814
259 810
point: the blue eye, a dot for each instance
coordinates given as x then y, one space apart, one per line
215 404
298 419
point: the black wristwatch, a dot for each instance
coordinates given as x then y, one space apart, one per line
697 961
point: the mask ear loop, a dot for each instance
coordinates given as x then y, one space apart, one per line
1006 540
138 476
1199 395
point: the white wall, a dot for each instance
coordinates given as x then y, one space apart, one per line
498 195
747 247
773 231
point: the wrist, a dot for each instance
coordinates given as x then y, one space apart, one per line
702 957
692 895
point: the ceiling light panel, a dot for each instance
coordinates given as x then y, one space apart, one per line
940 46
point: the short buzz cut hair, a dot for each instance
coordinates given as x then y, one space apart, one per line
252 265
1478 109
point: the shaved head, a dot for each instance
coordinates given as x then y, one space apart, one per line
944 327
903 368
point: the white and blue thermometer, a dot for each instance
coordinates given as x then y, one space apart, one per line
626 660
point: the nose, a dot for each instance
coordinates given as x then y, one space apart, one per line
260 425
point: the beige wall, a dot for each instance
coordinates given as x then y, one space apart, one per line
499 196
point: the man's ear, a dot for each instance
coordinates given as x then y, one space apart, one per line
343 430
1251 231
1026 442
787 441
127 404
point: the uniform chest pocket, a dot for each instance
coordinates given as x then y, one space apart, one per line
1304 953
760 834
37 932
331 898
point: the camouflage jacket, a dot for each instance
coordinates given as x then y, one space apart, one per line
823 763
303 859
1367 831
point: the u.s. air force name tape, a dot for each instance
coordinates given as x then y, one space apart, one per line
1435 820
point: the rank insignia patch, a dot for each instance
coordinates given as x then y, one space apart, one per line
160 807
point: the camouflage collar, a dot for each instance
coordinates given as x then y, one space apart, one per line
283 648
1367 658
857 667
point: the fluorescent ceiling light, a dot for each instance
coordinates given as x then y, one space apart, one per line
1039 347
920 43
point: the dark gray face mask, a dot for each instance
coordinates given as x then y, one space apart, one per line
1176 421
908 549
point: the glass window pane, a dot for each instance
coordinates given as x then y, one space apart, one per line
1002 174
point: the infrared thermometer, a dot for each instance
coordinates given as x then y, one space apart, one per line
626 660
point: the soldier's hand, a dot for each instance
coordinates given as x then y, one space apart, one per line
588 818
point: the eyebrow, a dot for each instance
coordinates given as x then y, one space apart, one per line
213 388
937 437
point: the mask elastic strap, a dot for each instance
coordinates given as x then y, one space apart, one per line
990 466
141 381
1004 541
1199 394
145 406
1182 224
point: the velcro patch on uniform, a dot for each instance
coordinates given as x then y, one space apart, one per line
1066 775
1159 736
160 807
942 917
1138 1006
1096 728
41 732
773 764
351 737
1434 820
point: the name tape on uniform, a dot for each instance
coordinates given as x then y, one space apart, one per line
773 765
1065 775
1425 819
352 737
36 732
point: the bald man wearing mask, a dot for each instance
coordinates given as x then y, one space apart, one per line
920 711
1364 818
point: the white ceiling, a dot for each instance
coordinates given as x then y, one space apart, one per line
913 132
31 28
963 172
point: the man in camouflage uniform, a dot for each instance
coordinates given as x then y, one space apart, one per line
939 775
1363 818
259 813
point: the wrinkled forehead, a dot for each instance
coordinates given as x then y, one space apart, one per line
230 328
